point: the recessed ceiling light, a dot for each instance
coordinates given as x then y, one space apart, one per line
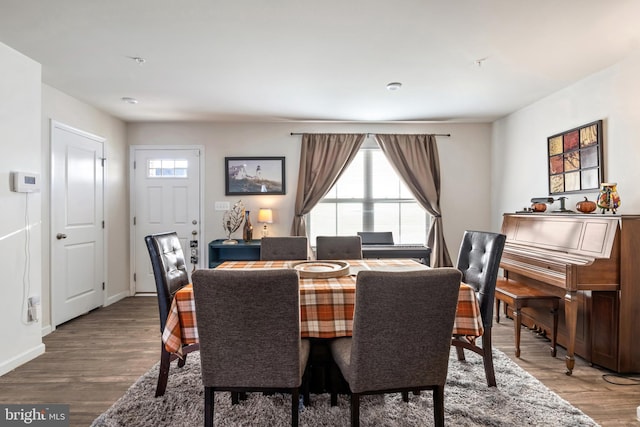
479 62
138 59
129 100
394 86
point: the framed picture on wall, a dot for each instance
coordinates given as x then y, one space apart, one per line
254 175
575 159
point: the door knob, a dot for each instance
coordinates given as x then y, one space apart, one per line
60 236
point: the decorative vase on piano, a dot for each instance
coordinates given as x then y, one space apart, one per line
247 231
608 199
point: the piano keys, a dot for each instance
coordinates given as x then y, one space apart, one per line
590 261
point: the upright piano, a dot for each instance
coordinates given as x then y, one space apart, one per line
591 261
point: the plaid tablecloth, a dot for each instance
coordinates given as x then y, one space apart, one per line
326 305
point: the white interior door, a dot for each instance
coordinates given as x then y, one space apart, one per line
166 197
77 228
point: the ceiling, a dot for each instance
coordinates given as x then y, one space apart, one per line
329 60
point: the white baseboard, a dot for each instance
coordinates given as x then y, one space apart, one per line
117 297
46 330
21 359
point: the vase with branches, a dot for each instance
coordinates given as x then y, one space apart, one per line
231 221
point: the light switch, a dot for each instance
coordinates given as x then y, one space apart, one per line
222 206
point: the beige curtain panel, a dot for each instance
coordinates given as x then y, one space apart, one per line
323 158
415 159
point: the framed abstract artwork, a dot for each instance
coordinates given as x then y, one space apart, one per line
254 175
574 159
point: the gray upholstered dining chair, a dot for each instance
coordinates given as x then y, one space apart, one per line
479 261
401 336
284 248
338 247
249 332
170 273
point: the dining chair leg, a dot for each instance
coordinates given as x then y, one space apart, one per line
460 352
163 374
405 396
295 402
208 406
306 396
182 361
355 410
438 406
487 358
333 373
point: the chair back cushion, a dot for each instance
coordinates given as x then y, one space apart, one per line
402 328
479 261
376 237
284 248
338 247
169 269
248 327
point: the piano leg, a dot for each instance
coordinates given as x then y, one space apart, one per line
554 334
571 320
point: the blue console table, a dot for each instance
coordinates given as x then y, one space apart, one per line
243 251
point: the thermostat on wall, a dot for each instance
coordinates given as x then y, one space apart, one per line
25 182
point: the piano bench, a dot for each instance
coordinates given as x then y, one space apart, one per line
518 295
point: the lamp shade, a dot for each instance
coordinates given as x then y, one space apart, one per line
265 215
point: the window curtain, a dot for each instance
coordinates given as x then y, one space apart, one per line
415 158
323 158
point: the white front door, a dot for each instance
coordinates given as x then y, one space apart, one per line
166 187
77 228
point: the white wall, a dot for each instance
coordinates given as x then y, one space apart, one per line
465 164
26 110
63 108
20 144
519 140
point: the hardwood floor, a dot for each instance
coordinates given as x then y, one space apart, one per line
92 360
608 404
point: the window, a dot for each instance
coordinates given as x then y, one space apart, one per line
370 196
167 168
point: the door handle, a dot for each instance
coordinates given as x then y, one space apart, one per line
61 236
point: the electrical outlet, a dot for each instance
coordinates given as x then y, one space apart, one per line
222 206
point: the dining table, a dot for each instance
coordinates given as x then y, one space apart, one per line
326 303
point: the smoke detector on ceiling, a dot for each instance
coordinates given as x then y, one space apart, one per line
394 86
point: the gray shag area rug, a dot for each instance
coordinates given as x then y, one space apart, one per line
519 400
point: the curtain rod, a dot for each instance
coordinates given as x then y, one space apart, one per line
378 133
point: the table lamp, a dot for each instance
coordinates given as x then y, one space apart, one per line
265 215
